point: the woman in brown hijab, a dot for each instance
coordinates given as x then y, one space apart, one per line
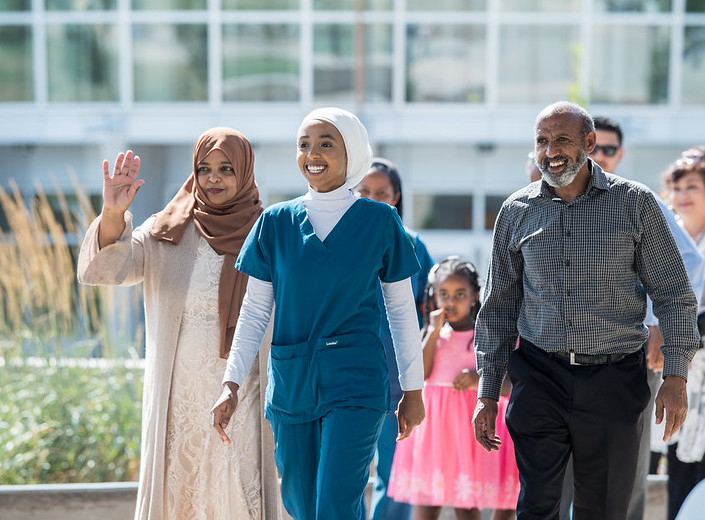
185 255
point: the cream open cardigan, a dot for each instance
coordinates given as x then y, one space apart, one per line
165 269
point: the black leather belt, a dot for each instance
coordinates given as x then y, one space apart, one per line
585 359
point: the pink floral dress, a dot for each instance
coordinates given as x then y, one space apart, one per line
441 463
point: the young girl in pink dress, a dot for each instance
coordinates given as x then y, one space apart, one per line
441 464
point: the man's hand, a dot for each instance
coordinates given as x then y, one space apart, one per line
410 413
671 400
483 421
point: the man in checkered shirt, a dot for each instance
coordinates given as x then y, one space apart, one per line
569 258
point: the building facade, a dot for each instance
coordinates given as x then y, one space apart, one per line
448 90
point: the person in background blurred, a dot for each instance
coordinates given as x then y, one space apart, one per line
685 191
532 171
383 184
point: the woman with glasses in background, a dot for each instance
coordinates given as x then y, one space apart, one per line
685 191
383 184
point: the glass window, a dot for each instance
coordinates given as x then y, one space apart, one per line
168 5
538 63
695 6
646 6
82 63
446 63
693 90
15 5
81 5
170 62
493 203
629 64
540 5
336 76
437 211
352 5
446 5
260 4
261 62
16 75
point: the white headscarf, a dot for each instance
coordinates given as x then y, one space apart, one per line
357 144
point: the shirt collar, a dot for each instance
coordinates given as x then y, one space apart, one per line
598 180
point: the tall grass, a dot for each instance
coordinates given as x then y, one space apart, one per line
63 417
43 310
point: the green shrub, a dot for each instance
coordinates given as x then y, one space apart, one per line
69 421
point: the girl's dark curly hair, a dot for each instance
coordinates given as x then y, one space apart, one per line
452 265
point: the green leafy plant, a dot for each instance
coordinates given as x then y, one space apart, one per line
66 415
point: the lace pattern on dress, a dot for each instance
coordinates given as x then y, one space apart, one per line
204 478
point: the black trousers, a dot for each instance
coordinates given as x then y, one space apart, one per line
592 412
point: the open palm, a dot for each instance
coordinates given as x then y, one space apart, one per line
119 189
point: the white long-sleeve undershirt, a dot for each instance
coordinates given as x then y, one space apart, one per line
324 211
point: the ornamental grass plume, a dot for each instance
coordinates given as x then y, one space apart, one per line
41 304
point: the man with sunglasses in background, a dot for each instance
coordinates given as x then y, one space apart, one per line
608 153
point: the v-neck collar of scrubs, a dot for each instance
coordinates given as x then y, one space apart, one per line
307 228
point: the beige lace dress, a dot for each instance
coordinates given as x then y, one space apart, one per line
205 479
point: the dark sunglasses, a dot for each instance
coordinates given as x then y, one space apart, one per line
607 150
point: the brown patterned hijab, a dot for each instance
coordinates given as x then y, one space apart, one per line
224 226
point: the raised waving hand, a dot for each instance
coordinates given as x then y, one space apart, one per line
119 191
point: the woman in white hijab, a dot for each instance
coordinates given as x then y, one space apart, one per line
320 258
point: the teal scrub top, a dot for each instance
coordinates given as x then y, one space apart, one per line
326 350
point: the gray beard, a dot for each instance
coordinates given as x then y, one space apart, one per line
571 171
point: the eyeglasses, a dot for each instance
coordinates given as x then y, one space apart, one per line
607 150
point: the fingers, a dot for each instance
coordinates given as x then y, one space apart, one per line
106 169
658 410
132 191
223 410
220 423
672 404
483 422
126 163
404 430
674 421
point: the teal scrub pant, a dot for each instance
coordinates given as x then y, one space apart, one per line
325 464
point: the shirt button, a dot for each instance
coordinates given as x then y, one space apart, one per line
567 232
566 262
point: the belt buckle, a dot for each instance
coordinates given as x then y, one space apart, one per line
572 359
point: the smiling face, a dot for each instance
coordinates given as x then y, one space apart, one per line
561 148
217 177
377 186
688 199
455 294
321 155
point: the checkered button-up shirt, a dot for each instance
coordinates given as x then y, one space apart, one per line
571 276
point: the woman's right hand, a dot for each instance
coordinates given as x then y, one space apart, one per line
119 190
223 410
